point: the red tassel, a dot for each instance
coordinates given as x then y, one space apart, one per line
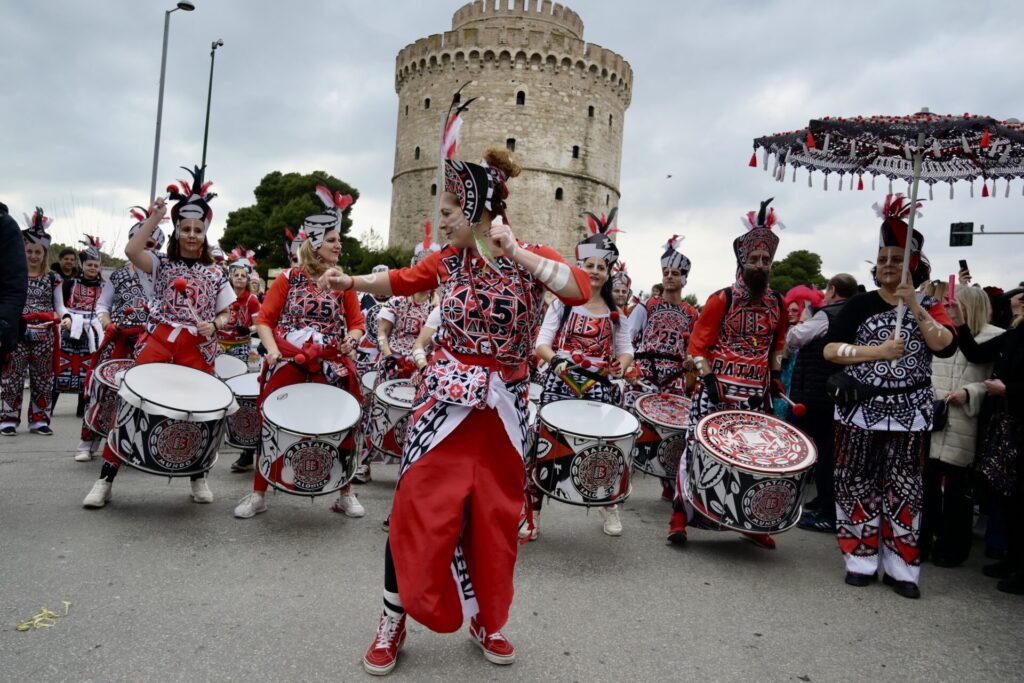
984 139
984 189
810 141
753 160
860 183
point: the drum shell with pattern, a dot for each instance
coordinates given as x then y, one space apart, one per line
170 419
103 384
243 428
663 420
302 448
747 471
584 452
389 416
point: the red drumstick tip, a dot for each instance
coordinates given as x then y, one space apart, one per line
664 394
179 285
577 357
300 358
799 409
129 310
585 364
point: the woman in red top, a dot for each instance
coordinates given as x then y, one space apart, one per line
300 317
184 323
456 508
234 338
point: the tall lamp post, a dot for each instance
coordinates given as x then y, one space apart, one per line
209 94
186 6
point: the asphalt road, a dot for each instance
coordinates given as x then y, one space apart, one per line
163 589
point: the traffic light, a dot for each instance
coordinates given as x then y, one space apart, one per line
961 240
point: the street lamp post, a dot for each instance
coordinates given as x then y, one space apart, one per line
185 6
209 94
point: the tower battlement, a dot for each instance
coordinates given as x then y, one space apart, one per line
554 14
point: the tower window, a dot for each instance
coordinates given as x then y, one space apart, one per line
457 98
609 119
416 153
426 103
558 194
511 144
407 110
607 199
590 111
520 98
433 189
575 151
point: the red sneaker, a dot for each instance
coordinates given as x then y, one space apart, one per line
763 540
497 649
382 656
677 528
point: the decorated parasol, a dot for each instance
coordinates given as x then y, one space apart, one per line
927 147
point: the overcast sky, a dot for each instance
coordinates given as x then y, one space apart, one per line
307 85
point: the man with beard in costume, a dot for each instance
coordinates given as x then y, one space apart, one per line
737 346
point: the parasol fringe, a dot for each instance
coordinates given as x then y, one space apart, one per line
873 182
825 188
931 194
984 139
890 185
766 160
860 183
753 159
809 176
950 189
936 148
810 140
984 188
828 139
794 174
972 189
840 183
1007 194
963 141
853 150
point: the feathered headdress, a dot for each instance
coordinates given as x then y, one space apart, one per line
37 224
93 244
192 198
599 243
621 277
316 227
293 243
671 258
760 235
140 214
428 246
894 214
240 257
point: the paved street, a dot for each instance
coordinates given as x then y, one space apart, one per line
167 590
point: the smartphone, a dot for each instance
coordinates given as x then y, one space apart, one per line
963 265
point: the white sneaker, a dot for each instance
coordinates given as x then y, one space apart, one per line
348 504
362 475
612 523
201 492
84 454
99 495
250 506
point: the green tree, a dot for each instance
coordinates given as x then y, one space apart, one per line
106 260
283 200
691 299
800 267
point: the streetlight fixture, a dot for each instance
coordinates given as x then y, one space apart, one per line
209 93
185 6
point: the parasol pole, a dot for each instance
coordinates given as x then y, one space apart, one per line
918 158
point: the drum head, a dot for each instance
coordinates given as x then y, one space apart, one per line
532 410
178 392
535 391
369 380
108 371
247 385
311 409
589 417
396 392
755 442
226 367
665 410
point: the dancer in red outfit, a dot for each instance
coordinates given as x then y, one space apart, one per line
737 347
185 323
299 317
36 352
453 538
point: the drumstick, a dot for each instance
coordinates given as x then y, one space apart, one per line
799 409
180 287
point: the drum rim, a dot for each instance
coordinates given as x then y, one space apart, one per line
643 416
99 377
635 433
111 442
773 472
386 401
232 360
287 430
138 401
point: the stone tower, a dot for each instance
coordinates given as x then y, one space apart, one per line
557 100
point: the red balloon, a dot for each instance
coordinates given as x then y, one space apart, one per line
179 285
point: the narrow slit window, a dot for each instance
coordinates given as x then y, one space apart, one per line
558 194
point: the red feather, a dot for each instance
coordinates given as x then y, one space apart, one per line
428 234
205 188
342 201
985 139
592 224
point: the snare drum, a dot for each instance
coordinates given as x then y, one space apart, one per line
369 381
99 417
304 426
664 419
244 426
226 366
389 416
584 452
747 471
170 419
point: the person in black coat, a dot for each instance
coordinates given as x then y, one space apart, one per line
13 282
1005 393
